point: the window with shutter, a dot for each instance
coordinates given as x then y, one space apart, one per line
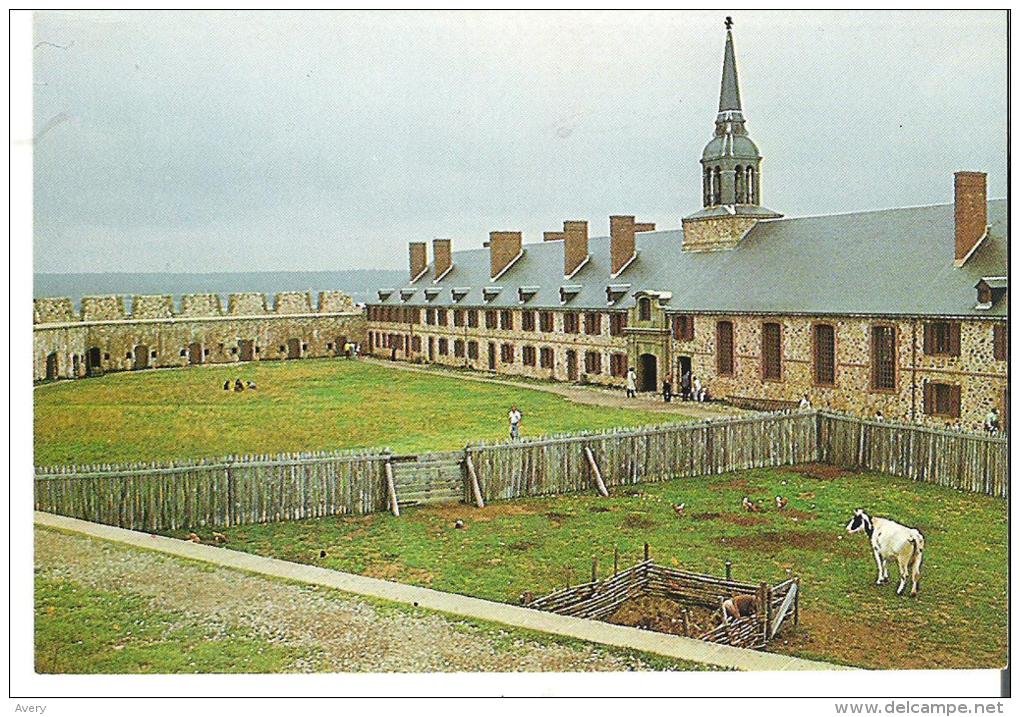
528 320
942 399
883 358
771 352
942 338
1000 345
546 357
490 319
824 349
724 348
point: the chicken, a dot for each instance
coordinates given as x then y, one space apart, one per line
459 524
750 506
219 537
678 508
194 538
781 502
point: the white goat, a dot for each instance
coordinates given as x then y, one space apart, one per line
889 539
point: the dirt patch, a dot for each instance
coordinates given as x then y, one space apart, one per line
770 541
599 509
820 471
800 515
556 518
637 521
450 512
741 484
705 516
744 519
522 546
396 571
660 614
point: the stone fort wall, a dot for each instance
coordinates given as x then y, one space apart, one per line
156 333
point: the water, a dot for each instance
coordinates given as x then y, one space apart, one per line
360 284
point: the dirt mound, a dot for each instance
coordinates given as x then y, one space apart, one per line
663 615
637 521
705 516
770 541
820 471
555 517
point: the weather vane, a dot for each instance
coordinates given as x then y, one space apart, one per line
729 22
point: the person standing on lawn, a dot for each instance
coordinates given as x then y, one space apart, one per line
631 383
667 389
515 424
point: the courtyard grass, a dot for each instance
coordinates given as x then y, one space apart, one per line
306 405
958 621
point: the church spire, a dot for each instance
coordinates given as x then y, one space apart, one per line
729 93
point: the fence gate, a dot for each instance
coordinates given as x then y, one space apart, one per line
429 478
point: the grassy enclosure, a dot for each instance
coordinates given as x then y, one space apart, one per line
541 544
299 406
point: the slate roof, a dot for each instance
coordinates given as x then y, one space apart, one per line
884 262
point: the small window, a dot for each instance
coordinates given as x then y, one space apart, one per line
683 328
942 399
1000 342
942 338
441 317
772 351
458 348
592 362
618 364
444 347
546 322
546 357
458 317
645 309
472 349
506 320
617 323
528 355
472 318
416 343
490 319
528 321
506 353
724 348
593 323
430 317
883 358
570 323
824 349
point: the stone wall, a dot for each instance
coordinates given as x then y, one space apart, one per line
155 335
714 233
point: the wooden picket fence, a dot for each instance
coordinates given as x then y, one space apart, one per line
222 492
966 461
557 465
258 489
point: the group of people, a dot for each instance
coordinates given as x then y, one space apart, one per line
690 387
239 385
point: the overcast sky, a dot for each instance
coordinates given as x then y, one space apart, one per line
304 141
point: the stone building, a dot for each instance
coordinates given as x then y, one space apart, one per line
105 336
902 311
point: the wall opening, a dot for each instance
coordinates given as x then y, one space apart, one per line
94 361
195 356
52 369
293 348
141 354
246 349
648 367
571 365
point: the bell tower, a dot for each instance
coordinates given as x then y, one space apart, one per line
730 172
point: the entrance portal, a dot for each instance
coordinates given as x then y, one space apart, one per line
51 367
195 353
246 349
141 354
492 357
648 377
683 367
293 348
94 361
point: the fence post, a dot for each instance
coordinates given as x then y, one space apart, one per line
647 552
594 569
391 490
596 473
616 559
729 570
476 489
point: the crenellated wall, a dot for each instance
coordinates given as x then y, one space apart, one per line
105 336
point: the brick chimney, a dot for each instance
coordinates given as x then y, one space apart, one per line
419 262
575 246
442 256
971 210
504 247
621 242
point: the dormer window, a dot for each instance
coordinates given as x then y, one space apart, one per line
431 293
491 292
989 290
644 309
459 293
568 292
384 294
615 292
406 294
526 293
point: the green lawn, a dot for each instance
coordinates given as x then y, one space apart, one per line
958 621
299 406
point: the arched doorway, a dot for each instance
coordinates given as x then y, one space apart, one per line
195 353
141 354
52 370
648 378
94 361
293 348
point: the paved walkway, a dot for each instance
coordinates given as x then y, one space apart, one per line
589 395
460 605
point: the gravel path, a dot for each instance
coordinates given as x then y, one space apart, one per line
333 631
